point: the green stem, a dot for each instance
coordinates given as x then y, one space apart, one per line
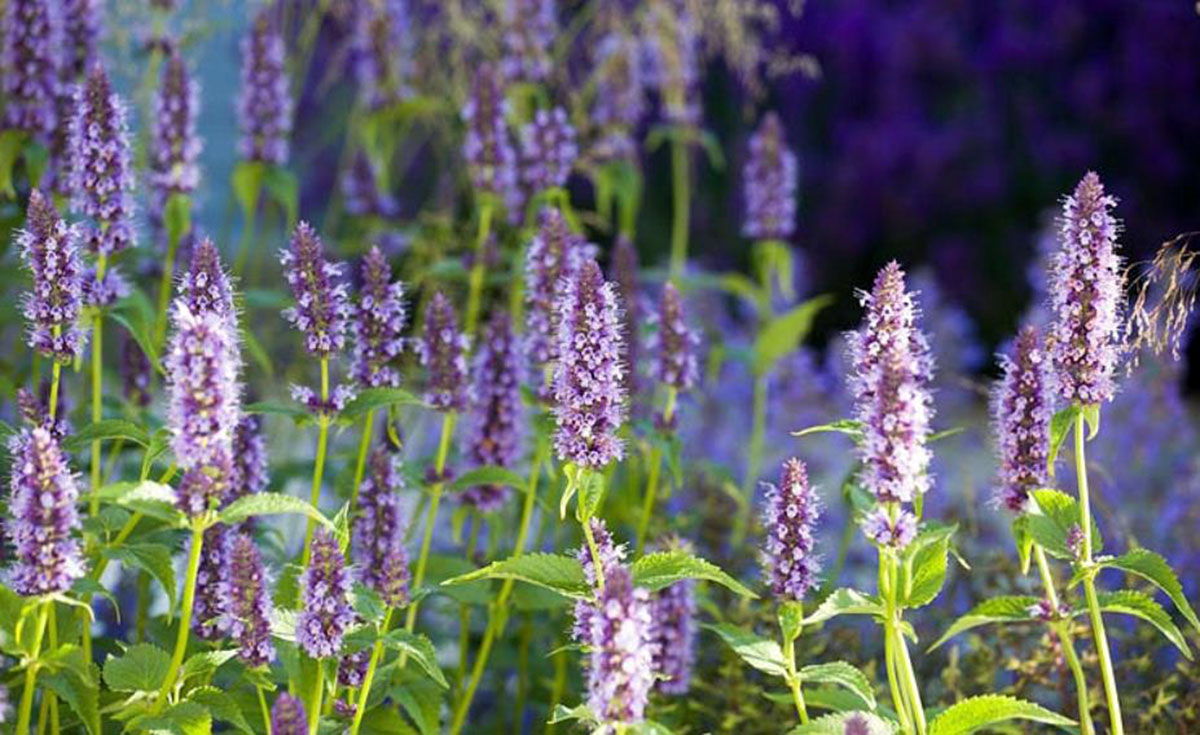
314 706
97 413
247 239
558 685
497 615
360 465
889 641
266 711
185 618
597 563
649 497
464 610
1062 628
753 458
52 630
164 292
1089 583
56 375
25 712
314 495
680 190
789 656
910 682
475 292
365 690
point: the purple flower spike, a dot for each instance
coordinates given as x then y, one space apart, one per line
174 145
43 518
882 530
442 351
249 459
248 613
49 249
620 100
769 184
487 147
529 30
892 369
81 33
789 520
624 272
364 193
676 343
611 556
554 255
31 45
352 669
136 373
379 551
548 150
204 287
265 105
494 434
672 46
383 49
621 664
106 290
288 716
212 584
589 390
673 609
101 170
1021 411
322 310
325 614
1087 288
380 320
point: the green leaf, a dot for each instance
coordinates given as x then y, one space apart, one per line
247 182
82 697
489 475
971 714
1059 514
291 410
1024 541
590 485
367 603
285 190
845 601
791 619
835 724
141 669
760 653
154 559
107 429
1155 569
371 399
1007 609
420 649
137 315
664 568
1141 605
1060 429
205 662
12 142
422 702
784 333
185 718
221 706
271 504
146 497
579 712
925 566
844 675
177 217
562 574
849 427
385 721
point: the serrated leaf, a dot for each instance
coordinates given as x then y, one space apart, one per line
850 427
247 183
419 649
221 706
580 712
1155 569
845 601
1060 429
371 399
146 497
142 668
154 559
1007 609
1023 540
925 566
205 662
784 333
1059 513
562 574
385 721
185 718
836 724
82 697
285 190
842 674
489 475
664 568
367 603
971 714
107 429
271 504
791 619
1141 605
760 653
422 703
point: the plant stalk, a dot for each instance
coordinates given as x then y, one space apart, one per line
25 712
365 690
1062 628
681 194
185 617
478 268
314 495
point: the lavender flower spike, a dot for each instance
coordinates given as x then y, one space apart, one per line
265 106
892 369
676 342
769 184
81 34
322 310
49 249
1021 411
621 664
249 474
620 100
1087 288
248 613
494 436
379 551
44 521
790 517
288 716
205 286
554 254
487 146
383 50
529 29
212 584
101 170
885 531
325 614
611 556
548 150
441 350
29 56
174 145
673 609
380 320
589 388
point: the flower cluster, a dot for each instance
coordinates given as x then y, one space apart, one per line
1087 289
288 716
621 662
769 184
29 57
554 255
104 289
174 145
589 390
487 147
325 613
548 150
101 170
380 320
44 521
364 191
310 399
611 556
81 33
673 50
205 286
322 310
442 351
673 610
1021 411
212 584
789 521
892 532
624 273
265 106
50 251
382 52
620 100
379 549
676 343
529 31
249 473
495 438
248 610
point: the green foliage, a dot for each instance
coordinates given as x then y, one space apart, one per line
561 574
923 571
784 333
1059 514
845 601
664 568
154 559
1140 605
842 674
1007 609
835 724
972 714
1154 569
267 504
489 476
142 668
760 653
371 399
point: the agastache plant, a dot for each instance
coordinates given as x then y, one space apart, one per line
265 106
495 429
529 28
247 614
548 150
551 260
176 147
673 610
325 613
382 41
29 56
288 716
621 662
101 169
769 184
